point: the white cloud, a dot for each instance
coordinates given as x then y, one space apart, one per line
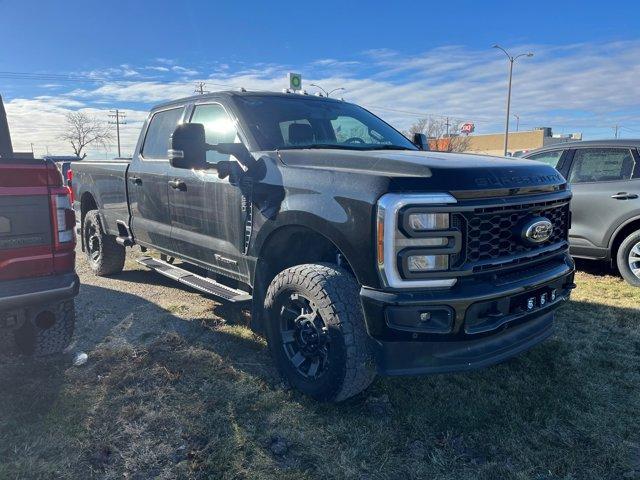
579 87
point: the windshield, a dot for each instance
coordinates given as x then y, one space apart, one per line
280 123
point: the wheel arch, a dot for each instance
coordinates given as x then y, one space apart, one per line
622 232
285 247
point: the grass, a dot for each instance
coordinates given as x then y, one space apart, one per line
213 408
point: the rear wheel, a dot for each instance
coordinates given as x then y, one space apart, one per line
49 332
628 259
104 254
316 332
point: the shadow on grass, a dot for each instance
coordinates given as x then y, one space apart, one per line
165 395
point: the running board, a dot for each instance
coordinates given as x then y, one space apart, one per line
203 284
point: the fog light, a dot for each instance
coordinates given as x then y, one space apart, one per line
425 316
424 263
531 303
428 221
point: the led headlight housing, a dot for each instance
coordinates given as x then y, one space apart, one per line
415 240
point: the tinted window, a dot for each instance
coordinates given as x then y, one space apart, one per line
218 128
162 125
550 158
296 121
601 165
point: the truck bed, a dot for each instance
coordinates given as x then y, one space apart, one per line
107 182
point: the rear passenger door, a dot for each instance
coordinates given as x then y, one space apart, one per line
606 192
147 181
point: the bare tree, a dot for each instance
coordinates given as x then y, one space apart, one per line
442 137
82 130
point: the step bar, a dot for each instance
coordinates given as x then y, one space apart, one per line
198 282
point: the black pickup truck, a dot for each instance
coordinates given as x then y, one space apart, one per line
357 252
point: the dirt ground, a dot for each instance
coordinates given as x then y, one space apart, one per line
177 386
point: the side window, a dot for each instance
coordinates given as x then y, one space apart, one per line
601 165
550 158
162 125
218 127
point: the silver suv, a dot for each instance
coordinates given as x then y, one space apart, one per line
605 179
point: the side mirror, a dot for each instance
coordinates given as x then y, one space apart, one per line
188 147
420 141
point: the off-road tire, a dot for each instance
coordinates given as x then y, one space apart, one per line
622 258
110 255
38 342
335 292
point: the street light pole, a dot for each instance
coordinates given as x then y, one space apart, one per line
326 94
511 62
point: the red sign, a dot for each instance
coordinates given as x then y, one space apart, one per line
467 128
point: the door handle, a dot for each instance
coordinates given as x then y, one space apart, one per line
178 185
135 180
624 196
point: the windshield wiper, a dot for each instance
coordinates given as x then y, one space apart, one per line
388 147
319 146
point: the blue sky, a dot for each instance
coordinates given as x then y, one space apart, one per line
403 60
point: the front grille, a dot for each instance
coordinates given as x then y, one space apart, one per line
493 233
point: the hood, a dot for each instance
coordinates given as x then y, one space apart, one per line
418 170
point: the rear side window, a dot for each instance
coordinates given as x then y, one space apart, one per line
161 127
601 165
550 158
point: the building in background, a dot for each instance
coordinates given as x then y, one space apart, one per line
519 142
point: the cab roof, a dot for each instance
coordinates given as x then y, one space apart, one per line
240 93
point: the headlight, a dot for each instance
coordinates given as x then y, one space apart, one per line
427 263
420 222
415 239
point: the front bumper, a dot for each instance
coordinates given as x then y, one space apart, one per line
473 325
27 292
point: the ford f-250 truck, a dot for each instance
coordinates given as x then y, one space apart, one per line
358 252
37 258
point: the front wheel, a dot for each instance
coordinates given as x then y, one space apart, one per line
628 259
316 333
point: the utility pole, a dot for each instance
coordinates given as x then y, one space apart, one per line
119 120
200 88
32 153
447 124
517 122
615 129
511 62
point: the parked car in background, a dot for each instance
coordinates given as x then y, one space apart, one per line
605 178
38 282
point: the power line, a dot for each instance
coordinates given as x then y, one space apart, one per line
119 116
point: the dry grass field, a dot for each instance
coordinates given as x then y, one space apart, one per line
178 387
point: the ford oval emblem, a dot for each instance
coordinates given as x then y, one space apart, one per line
538 230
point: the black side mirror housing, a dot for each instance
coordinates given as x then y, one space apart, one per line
188 147
420 141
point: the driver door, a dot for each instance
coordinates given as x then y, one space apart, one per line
207 212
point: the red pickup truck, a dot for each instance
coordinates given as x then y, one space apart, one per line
38 282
